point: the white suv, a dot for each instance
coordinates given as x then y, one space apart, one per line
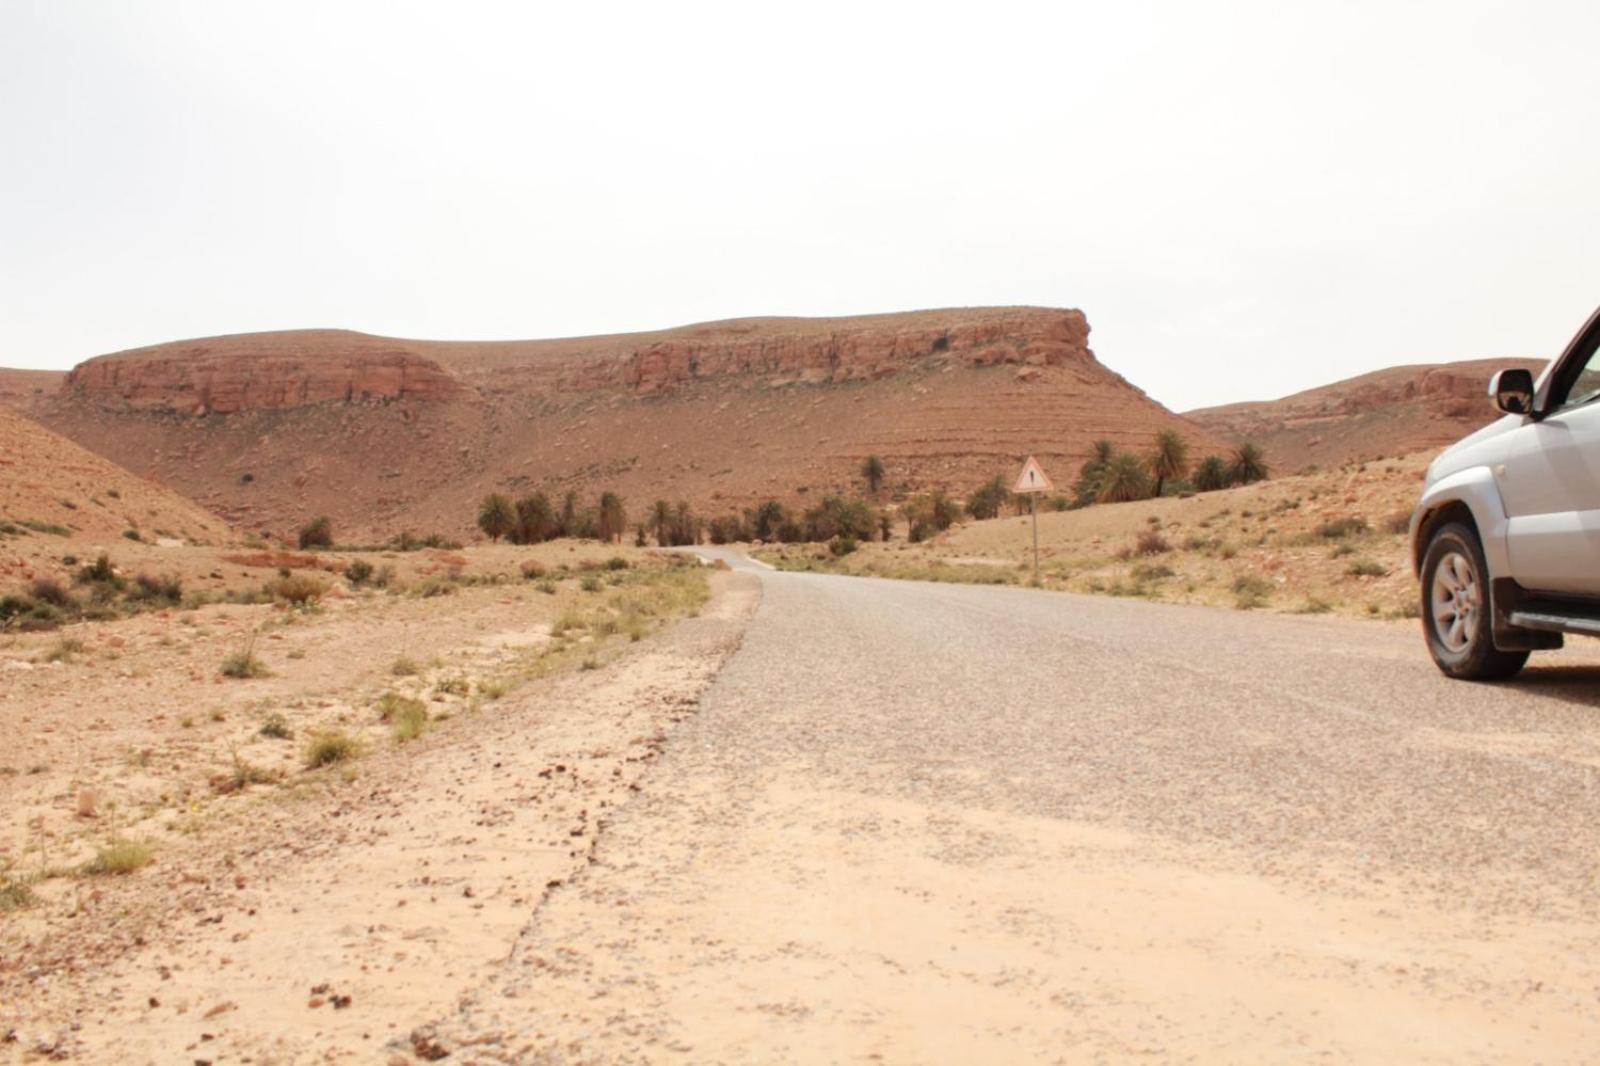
1506 538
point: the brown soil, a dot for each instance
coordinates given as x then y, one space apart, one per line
382 434
1397 411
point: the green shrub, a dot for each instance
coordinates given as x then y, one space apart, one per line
405 667
617 562
359 572
48 590
99 572
590 584
532 571
166 588
317 533
14 607
842 545
1366 568
19 612
276 727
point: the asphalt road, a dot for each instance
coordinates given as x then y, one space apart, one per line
922 822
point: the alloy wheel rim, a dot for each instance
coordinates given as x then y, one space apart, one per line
1456 602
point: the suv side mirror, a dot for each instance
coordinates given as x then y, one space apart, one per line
1513 391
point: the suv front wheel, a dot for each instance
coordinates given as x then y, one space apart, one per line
1456 610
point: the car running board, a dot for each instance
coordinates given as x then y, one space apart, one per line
1547 622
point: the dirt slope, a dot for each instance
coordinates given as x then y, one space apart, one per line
54 494
1396 411
386 434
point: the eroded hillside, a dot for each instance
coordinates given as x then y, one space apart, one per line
387 434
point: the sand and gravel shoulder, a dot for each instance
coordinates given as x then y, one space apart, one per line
323 912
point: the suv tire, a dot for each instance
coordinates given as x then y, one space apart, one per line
1457 618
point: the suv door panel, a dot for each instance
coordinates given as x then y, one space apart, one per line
1550 483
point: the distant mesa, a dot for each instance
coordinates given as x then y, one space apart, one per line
385 434
225 375
299 368
1389 412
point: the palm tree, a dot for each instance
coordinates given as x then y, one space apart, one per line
661 515
1170 459
683 524
496 516
535 519
987 501
872 470
612 520
1093 471
769 517
1248 465
1124 479
1211 474
569 514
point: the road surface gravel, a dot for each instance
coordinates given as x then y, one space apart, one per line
943 823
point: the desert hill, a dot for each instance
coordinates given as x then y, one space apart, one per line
386 434
55 495
1395 411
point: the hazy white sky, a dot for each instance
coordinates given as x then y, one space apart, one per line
1245 198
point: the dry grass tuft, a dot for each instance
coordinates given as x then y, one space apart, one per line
328 747
297 590
243 663
276 727
119 857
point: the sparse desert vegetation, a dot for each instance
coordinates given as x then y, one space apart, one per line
1328 542
164 767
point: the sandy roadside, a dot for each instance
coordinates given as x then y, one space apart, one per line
335 920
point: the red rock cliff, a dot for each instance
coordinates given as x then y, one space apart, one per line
858 353
300 368
223 375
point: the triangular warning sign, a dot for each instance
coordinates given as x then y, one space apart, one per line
1032 478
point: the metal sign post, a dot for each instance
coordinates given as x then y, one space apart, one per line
1031 482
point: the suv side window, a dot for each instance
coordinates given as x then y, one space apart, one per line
1578 382
1586 386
